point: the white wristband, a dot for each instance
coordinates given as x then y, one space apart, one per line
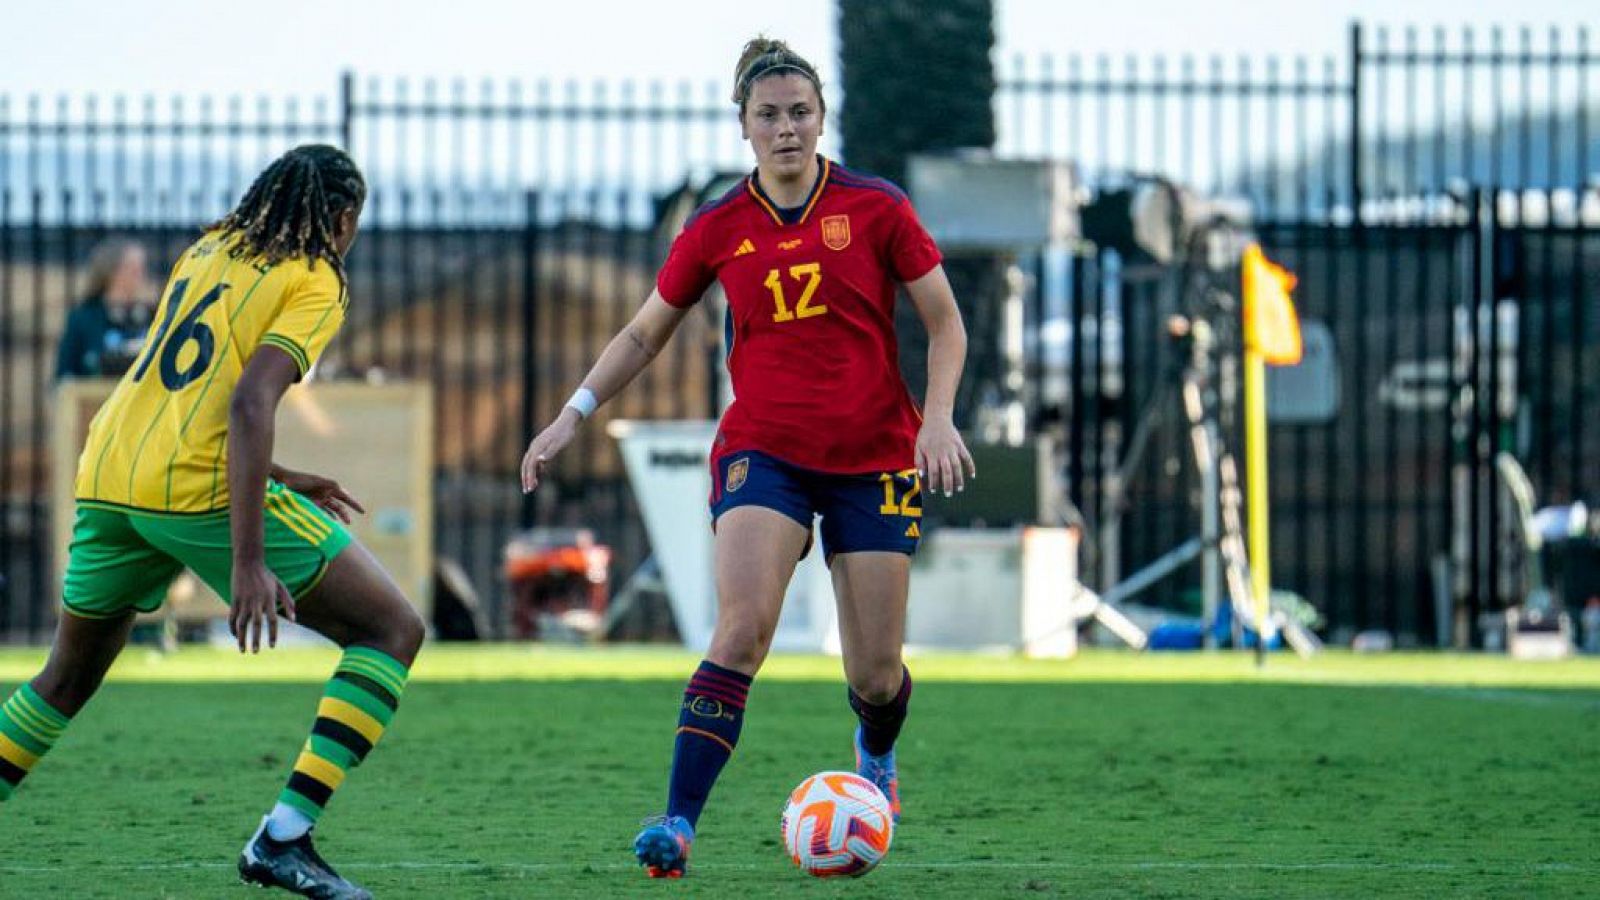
584 402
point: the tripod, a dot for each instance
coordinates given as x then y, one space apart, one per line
1220 546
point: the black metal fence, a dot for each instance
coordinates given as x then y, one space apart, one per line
1435 194
1440 203
507 235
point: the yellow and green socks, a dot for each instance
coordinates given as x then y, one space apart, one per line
356 707
29 727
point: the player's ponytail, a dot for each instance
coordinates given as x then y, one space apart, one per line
292 208
763 56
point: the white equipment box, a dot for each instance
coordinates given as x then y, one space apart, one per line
970 588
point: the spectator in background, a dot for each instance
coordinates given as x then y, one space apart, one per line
106 330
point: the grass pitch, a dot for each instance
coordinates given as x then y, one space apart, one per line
517 772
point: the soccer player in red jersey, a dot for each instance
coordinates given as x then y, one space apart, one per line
810 255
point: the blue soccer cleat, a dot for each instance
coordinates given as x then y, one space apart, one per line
880 771
663 846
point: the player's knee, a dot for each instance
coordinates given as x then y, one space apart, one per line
741 647
404 633
879 683
67 691
398 632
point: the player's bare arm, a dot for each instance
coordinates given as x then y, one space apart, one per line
941 454
251 429
623 359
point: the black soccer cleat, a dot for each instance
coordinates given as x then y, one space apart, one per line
295 867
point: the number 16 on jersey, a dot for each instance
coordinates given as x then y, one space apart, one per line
189 331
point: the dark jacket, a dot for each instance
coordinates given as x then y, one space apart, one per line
98 343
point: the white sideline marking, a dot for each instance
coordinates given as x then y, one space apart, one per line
1532 697
1002 865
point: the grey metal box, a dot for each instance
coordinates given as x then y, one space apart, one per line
976 202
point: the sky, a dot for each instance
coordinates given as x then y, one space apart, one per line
301 46
81 50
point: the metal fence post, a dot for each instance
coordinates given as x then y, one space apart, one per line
530 364
1355 126
347 101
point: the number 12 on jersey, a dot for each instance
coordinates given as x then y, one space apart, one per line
811 274
905 504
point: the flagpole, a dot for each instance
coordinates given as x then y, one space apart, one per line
1255 450
1271 334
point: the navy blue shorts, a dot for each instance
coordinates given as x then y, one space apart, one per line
880 511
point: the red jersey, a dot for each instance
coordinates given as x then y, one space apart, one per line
812 350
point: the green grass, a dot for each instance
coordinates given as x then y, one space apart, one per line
517 772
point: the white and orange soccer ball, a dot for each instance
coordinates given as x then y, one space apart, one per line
837 823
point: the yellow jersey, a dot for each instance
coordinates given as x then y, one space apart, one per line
160 442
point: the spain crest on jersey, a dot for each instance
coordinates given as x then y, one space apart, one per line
737 473
836 232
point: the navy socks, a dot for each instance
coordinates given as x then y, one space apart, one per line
708 730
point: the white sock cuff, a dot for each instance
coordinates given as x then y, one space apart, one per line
286 823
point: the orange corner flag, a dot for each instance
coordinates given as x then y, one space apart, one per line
1271 326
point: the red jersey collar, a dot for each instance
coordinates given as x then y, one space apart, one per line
765 202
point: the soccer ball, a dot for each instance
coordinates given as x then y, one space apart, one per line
837 823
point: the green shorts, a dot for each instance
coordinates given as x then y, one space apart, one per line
124 559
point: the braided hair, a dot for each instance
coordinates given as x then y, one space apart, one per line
763 57
291 210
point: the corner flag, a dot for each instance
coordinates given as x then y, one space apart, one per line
1271 326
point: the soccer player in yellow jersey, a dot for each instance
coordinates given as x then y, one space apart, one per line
177 472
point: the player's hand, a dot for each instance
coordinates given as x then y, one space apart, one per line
324 492
544 448
942 457
257 596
